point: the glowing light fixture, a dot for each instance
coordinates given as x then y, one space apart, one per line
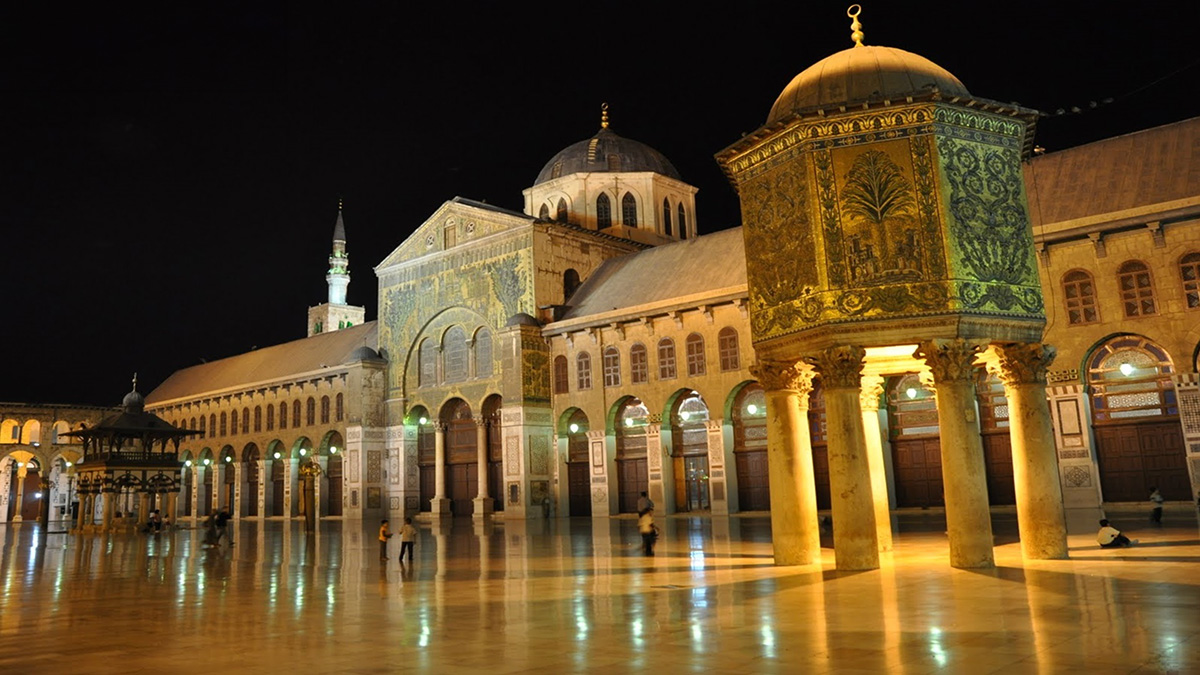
1126 369
332 450
684 415
37 495
628 421
68 465
911 393
752 409
188 463
207 461
303 452
424 420
574 428
20 464
228 458
277 455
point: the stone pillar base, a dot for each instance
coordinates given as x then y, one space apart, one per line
483 507
439 507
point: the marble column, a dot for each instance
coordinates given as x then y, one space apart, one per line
482 505
172 506
872 387
964 479
1041 518
110 506
795 529
143 509
855 542
44 503
85 501
439 505
21 473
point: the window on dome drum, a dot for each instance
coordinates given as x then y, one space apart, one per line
556 170
454 355
681 223
245 420
570 284
639 364
296 414
258 418
310 408
562 211
544 213
727 349
560 375
666 359
483 353
224 424
695 355
270 418
339 408
666 217
628 210
324 410
283 415
1137 289
233 423
1189 272
1079 294
603 212
427 358
612 367
583 371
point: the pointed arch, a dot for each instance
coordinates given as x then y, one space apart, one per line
629 210
603 212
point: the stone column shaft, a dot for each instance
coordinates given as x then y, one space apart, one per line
964 478
482 450
44 503
439 505
855 538
795 529
21 473
872 387
110 506
81 517
143 509
1041 518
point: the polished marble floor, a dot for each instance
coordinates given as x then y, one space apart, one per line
578 596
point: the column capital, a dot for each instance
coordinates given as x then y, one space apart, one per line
949 360
1025 362
840 367
872 387
784 375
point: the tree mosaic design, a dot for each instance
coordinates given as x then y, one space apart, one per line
883 243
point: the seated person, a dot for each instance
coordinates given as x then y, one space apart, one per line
1111 537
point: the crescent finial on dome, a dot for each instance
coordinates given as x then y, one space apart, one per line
856 33
603 115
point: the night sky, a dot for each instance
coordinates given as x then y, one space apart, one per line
171 171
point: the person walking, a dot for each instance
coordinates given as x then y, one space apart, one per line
1156 502
408 537
1111 537
644 503
649 531
384 535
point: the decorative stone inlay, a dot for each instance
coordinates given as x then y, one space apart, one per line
840 367
784 376
949 360
1068 375
872 388
1025 363
1077 476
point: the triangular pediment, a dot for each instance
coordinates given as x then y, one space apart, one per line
469 220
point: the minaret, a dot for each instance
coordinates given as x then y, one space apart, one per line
335 314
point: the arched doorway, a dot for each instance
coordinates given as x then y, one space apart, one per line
24 489
426 455
302 452
462 457
333 478
689 451
228 480
630 422
1135 416
579 478
820 444
495 451
250 459
277 460
749 413
916 449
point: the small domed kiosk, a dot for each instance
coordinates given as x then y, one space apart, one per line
885 208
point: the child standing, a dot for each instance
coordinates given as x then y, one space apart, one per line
408 537
384 535
648 530
1156 501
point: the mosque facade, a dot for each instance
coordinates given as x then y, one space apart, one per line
562 360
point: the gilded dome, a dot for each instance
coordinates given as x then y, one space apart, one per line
606 152
860 75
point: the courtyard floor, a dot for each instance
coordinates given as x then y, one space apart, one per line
578 596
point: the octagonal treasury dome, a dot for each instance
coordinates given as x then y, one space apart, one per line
863 74
606 152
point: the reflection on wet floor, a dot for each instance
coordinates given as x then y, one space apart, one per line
578 595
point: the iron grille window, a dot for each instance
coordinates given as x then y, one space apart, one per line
560 375
1137 289
666 359
695 355
1079 294
612 367
603 212
639 364
1189 272
727 349
583 371
629 210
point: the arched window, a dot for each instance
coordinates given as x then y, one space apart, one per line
296 414
1079 293
612 367
560 375
212 424
324 410
727 348
639 364
203 427
258 418
233 423
224 424
427 358
339 406
245 420
628 210
1130 378
483 353
681 222
570 284
454 355
283 415
603 212
544 213
270 418
666 359
310 407
1137 289
583 371
695 355
561 216
1189 272
666 217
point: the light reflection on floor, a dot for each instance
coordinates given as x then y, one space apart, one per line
574 596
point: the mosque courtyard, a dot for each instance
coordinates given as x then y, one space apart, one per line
578 596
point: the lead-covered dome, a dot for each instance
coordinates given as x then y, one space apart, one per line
864 74
606 152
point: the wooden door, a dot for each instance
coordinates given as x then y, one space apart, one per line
334 473
821 475
918 470
428 477
496 485
754 490
695 480
30 503
277 487
632 481
206 493
579 488
251 495
997 457
464 486
1134 457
